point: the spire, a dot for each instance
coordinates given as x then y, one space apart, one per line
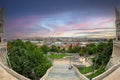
117 12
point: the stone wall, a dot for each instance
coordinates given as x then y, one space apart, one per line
13 73
3 53
108 72
45 76
81 76
115 58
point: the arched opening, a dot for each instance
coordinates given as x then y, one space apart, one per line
0 28
0 38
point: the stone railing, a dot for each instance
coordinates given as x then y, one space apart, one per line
81 76
13 73
108 72
46 75
117 43
3 44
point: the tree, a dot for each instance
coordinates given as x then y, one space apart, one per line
70 49
54 48
91 49
45 49
26 57
100 47
76 49
103 55
63 50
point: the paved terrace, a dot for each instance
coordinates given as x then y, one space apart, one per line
60 71
114 76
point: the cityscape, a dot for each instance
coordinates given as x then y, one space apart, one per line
59 40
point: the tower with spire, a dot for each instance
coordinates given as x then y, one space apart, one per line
1 24
115 58
117 22
3 45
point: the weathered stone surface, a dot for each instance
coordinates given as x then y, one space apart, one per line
114 75
60 71
115 58
5 75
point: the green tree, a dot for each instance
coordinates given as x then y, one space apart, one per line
26 57
103 55
76 49
70 49
91 49
45 49
54 48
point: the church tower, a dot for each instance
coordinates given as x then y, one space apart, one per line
1 24
117 22
3 45
115 58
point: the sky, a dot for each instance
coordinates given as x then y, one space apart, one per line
59 18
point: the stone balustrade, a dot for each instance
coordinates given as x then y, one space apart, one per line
3 52
107 72
46 75
13 73
81 76
3 44
117 43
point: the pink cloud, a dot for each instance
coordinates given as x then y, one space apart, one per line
109 20
23 22
59 30
18 27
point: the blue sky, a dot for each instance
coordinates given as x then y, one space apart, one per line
59 18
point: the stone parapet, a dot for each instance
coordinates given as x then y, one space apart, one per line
116 43
3 53
3 44
81 76
107 72
46 75
13 73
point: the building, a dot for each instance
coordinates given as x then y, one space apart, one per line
115 58
3 45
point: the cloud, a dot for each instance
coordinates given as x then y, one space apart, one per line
24 27
65 24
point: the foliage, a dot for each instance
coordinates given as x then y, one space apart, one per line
42 68
58 56
62 50
91 49
73 49
45 48
70 49
98 72
103 55
27 59
85 70
54 48
83 51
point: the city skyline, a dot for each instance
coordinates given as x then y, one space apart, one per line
59 18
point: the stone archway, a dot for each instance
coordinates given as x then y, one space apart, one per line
0 38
